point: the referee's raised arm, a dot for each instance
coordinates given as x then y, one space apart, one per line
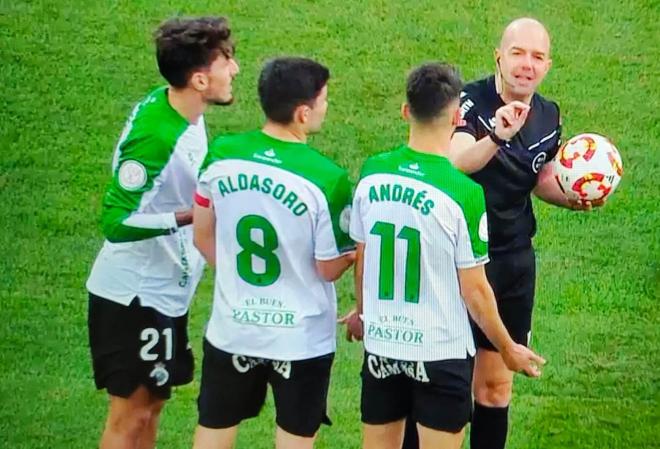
469 155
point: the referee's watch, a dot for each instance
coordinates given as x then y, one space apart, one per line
499 142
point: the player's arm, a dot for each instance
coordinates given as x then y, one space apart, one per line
471 254
353 319
334 251
140 164
204 228
480 301
331 270
469 155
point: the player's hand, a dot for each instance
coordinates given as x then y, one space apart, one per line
521 359
184 217
585 205
354 325
510 118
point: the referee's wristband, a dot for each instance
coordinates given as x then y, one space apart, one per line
499 142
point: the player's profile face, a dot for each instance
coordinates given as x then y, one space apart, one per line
220 75
524 62
318 111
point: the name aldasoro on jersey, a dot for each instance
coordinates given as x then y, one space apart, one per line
253 182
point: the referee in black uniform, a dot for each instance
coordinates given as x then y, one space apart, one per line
507 134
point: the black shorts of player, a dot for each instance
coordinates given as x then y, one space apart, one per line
134 345
233 388
437 394
513 278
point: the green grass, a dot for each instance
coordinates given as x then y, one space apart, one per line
70 72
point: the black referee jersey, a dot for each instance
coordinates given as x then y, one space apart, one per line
511 175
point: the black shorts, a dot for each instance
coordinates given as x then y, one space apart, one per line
437 395
233 388
134 345
513 278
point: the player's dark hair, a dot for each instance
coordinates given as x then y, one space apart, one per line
184 45
430 88
286 83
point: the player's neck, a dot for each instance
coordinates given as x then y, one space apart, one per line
284 132
187 103
431 141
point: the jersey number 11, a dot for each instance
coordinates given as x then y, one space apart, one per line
386 232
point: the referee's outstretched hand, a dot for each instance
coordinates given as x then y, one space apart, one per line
510 118
521 359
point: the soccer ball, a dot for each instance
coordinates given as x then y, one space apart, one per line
588 167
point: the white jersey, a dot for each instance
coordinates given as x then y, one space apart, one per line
279 207
420 220
154 175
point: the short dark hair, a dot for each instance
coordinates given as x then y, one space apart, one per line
286 83
184 45
430 88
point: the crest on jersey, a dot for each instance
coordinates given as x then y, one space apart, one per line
132 175
160 374
483 228
345 219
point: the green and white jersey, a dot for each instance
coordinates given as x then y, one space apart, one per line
279 207
421 220
154 174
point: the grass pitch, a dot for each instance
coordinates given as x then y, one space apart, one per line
71 72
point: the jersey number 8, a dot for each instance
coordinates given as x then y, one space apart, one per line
265 251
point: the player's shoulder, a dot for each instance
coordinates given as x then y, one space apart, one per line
310 163
450 178
226 144
155 118
383 162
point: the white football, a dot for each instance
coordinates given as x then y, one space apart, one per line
588 167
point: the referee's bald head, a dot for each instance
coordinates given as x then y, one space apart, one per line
526 29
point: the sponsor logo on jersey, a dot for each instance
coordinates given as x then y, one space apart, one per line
483 228
394 334
538 161
269 155
412 168
382 368
263 317
160 374
132 175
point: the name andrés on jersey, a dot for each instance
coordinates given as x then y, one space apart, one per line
405 195
242 182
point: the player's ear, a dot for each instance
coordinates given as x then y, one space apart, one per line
301 114
405 111
199 81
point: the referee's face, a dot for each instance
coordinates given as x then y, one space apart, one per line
524 60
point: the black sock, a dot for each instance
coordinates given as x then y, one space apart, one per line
489 427
410 437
